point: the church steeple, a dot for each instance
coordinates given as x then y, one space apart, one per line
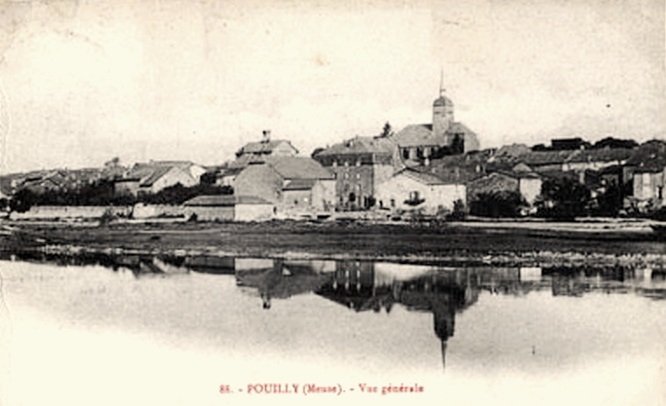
442 110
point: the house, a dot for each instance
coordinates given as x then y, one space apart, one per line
561 144
649 157
359 165
419 143
267 147
649 185
154 176
410 189
527 183
290 183
546 161
228 208
460 168
596 159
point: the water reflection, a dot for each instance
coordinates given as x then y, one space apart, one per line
378 287
279 278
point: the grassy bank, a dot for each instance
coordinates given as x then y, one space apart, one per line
477 242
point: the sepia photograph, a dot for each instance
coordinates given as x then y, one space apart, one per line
227 202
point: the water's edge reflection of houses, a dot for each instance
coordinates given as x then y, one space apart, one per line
374 286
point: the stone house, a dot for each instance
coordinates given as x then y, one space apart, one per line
412 190
267 147
359 165
528 184
155 176
290 183
648 185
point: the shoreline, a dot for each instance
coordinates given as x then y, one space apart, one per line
470 243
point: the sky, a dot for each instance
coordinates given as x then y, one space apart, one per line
83 81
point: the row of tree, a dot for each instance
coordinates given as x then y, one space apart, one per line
560 199
101 193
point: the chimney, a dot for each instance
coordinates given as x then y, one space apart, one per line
267 136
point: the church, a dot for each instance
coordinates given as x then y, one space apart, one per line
421 143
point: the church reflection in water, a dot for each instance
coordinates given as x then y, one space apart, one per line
368 286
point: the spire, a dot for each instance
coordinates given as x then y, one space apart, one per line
441 82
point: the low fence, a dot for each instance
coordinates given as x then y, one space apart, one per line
71 212
145 211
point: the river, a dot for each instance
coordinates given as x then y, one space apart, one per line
181 330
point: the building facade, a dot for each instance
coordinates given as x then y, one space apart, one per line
359 165
410 190
290 183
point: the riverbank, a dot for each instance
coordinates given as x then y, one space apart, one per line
475 242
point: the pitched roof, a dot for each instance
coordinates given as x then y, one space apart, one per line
457 127
224 200
519 174
422 135
292 167
535 158
424 177
649 156
147 173
359 145
155 175
263 147
600 155
417 135
300 184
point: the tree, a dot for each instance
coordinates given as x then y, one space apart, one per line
562 199
611 142
387 131
23 200
505 203
609 202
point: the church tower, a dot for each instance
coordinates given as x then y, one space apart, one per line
442 112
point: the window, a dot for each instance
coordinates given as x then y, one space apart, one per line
414 196
392 202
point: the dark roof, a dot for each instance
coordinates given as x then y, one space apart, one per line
535 158
156 174
560 175
359 145
232 171
600 155
300 184
224 200
519 174
649 156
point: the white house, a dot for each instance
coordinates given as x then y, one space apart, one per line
410 189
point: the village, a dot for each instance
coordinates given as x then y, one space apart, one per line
435 170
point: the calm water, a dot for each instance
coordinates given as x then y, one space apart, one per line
164 330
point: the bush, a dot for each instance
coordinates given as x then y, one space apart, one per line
563 199
497 204
459 211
